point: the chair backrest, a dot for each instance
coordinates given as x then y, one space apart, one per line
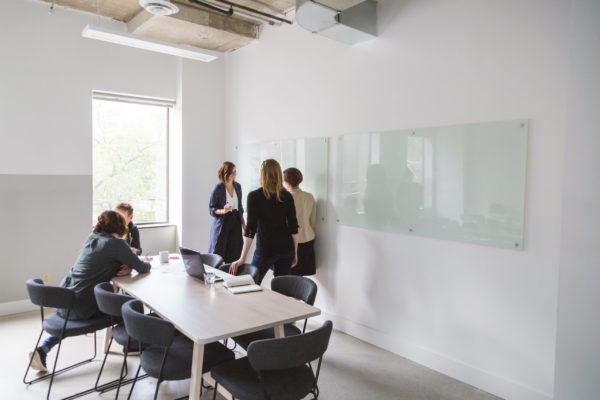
298 287
212 260
49 296
246 269
291 351
146 328
108 301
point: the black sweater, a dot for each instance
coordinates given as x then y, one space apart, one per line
133 237
274 222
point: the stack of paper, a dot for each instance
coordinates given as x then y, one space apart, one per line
241 284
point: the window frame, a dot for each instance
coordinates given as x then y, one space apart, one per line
168 105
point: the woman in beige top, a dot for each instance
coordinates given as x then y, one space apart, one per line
306 213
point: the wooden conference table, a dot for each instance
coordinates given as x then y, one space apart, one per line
205 314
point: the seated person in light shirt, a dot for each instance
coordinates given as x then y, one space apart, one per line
133 237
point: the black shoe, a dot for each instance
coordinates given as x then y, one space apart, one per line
39 360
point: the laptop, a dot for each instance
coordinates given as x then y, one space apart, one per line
192 260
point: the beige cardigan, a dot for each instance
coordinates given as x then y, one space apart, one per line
306 213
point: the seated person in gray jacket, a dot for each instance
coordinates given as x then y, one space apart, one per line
104 255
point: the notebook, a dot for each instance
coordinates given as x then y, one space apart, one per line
241 284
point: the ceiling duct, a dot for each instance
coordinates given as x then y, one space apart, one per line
352 25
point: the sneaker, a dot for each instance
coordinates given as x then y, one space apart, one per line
39 360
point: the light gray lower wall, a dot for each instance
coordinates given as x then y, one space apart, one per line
44 219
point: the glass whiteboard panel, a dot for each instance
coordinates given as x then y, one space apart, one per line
462 183
310 156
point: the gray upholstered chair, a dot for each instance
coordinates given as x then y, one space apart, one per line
212 260
111 303
167 357
298 287
276 369
61 298
246 269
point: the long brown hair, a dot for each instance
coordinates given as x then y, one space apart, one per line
271 179
111 222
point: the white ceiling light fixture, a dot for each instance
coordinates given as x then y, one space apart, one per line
131 40
159 7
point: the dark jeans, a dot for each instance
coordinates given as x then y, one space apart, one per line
49 343
281 263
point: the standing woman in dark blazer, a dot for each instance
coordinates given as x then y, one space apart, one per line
272 217
228 215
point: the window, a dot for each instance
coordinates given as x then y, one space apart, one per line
130 155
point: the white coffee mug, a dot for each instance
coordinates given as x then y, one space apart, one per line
163 256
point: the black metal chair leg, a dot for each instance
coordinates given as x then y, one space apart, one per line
31 359
103 363
134 381
156 391
123 367
215 393
55 362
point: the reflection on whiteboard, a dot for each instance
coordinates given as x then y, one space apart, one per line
310 156
460 182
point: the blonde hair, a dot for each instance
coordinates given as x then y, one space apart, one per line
271 179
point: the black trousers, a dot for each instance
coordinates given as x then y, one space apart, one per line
306 259
229 243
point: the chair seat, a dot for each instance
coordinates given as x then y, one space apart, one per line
269 333
241 381
53 324
179 361
121 336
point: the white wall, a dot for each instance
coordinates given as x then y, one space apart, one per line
577 348
483 315
202 96
47 74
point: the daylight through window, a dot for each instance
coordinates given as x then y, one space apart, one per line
130 155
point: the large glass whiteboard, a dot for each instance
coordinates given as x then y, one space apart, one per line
462 183
310 156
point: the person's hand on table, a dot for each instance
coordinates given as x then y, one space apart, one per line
234 266
124 270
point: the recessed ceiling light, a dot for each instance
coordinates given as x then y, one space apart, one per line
159 7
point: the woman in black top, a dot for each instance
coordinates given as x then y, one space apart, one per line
103 256
272 217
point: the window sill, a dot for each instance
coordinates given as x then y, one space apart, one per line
158 225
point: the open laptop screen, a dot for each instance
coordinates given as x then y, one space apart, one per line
192 260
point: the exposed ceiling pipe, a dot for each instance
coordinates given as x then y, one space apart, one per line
254 11
211 6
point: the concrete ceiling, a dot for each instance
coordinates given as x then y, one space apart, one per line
194 25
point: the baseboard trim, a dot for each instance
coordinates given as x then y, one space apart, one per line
16 307
496 385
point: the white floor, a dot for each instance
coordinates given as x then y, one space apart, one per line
351 369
